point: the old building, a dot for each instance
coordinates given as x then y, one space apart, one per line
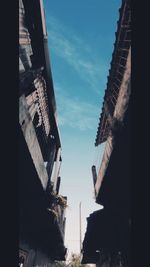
41 208
107 239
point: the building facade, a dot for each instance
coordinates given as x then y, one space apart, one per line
107 239
41 208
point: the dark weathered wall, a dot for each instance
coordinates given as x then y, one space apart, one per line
32 142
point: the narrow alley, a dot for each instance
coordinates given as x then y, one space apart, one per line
74 133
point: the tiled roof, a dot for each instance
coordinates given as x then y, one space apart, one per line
116 71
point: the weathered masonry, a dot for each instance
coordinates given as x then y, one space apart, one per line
107 239
41 208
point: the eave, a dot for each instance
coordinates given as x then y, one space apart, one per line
116 72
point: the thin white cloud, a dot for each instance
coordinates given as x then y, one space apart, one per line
76 53
75 113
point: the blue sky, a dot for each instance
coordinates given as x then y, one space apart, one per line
81 34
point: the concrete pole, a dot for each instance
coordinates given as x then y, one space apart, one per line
80 227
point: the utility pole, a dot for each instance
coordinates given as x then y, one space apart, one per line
80 227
